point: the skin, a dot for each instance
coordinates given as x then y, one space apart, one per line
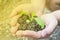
51 21
56 14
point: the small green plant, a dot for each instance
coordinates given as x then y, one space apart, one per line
37 19
23 13
32 17
40 22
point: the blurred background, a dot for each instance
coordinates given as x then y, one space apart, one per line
6 7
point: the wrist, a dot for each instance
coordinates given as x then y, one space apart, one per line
56 14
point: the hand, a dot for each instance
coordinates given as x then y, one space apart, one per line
14 24
50 22
24 7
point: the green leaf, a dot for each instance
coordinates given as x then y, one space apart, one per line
40 22
32 16
23 12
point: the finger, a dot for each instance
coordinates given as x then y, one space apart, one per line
14 20
49 19
14 29
27 33
20 8
56 14
48 30
51 23
15 11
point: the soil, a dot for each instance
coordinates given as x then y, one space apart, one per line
28 26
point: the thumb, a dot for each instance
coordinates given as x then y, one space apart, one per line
27 33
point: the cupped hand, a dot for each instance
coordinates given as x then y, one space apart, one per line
49 19
50 22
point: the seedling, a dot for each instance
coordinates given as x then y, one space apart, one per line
37 19
40 22
30 20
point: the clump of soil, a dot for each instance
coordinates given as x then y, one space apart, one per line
27 26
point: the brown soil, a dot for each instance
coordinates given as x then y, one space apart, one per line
28 26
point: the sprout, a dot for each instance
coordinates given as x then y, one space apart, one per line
40 22
32 17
